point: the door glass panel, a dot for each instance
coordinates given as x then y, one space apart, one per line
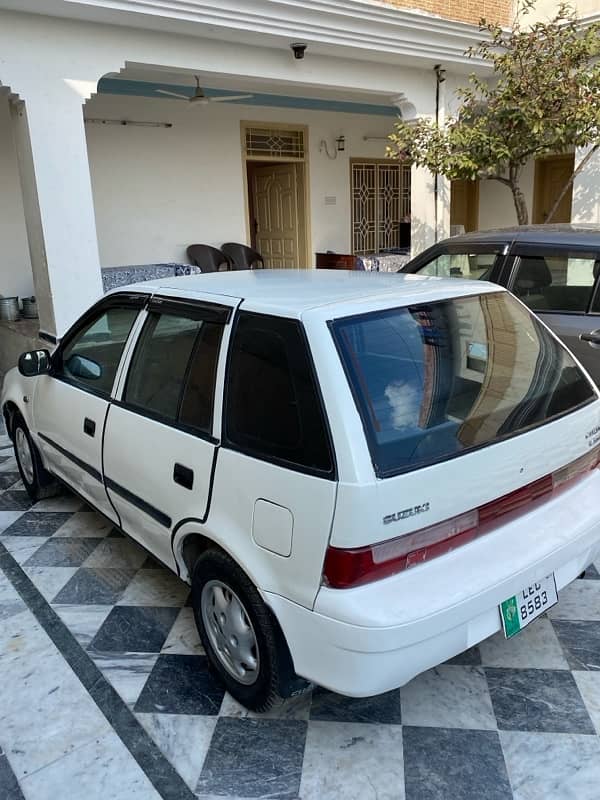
557 282
199 394
476 266
92 356
159 365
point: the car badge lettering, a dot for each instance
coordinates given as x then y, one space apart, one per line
406 513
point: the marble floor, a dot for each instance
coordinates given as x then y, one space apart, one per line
105 692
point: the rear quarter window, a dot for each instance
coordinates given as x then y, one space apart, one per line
433 381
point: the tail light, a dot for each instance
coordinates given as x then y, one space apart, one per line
345 568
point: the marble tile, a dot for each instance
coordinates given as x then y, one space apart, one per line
331 707
154 587
152 563
333 751
22 548
95 586
183 739
127 672
8 479
588 684
116 553
469 658
181 685
545 766
49 580
580 641
183 638
441 763
14 501
580 600
63 552
102 769
448 697
83 621
8 593
292 708
591 573
7 518
9 786
134 629
65 502
86 524
37 524
10 609
536 646
254 758
537 700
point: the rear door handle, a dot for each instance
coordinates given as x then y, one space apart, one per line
89 426
184 476
593 337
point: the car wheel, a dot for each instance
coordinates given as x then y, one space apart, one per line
240 635
38 482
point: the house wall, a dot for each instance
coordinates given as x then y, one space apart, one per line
15 265
546 9
496 207
492 10
157 190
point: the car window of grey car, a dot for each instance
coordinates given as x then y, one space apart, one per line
560 282
476 266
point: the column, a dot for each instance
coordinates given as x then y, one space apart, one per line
586 197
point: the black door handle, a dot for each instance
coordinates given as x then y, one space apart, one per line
89 426
184 476
593 337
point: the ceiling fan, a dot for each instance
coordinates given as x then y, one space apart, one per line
199 98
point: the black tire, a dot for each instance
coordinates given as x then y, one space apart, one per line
275 677
38 482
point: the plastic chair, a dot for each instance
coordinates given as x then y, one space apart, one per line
242 257
209 259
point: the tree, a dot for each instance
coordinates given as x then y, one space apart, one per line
543 98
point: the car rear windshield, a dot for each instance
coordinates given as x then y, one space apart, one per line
433 381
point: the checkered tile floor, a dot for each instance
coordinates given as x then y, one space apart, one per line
506 719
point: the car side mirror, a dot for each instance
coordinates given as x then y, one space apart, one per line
82 367
35 362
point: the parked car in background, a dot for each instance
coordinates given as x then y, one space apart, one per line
553 269
351 469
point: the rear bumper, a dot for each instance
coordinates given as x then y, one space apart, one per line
374 638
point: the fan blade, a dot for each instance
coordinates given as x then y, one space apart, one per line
224 98
172 94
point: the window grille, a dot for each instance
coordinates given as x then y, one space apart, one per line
275 143
380 202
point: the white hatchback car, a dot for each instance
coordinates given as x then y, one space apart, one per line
361 475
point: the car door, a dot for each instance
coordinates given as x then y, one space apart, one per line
561 286
71 402
159 449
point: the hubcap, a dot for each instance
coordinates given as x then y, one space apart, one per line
24 454
230 631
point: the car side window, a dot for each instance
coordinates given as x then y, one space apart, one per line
273 409
476 266
555 282
91 357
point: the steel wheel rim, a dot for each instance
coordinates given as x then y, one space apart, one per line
24 454
230 631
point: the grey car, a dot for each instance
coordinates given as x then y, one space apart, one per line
553 269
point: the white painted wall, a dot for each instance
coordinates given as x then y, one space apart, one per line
15 265
496 207
157 190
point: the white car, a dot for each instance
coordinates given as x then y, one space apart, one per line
361 475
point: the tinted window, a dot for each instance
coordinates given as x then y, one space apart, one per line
159 366
199 393
92 356
433 381
557 282
476 266
273 408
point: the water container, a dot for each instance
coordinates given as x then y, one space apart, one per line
9 308
30 310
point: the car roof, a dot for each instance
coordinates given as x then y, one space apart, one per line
291 292
564 233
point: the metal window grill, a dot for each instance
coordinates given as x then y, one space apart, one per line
275 143
380 201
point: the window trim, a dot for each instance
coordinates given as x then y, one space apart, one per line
251 452
201 311
120 300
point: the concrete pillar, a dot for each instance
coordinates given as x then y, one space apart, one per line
57 198
586 189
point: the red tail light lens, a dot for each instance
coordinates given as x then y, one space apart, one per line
345 568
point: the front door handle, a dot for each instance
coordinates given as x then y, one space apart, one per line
89 426
593 337
184 476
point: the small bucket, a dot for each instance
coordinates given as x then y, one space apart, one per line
9 308
30 309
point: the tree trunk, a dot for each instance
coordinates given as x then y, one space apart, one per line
519 201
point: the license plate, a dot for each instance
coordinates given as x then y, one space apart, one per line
521 609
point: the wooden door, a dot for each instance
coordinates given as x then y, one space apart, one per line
464 204
551 175
276 214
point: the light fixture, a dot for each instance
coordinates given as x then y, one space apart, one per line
340 146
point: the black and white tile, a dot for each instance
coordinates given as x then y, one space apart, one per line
507 719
